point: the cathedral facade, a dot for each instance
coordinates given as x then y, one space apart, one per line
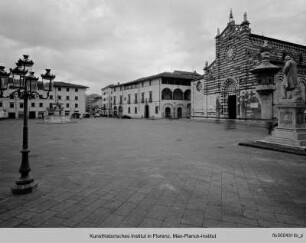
234 85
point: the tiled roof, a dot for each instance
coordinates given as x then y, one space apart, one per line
175 74
64 84
108 86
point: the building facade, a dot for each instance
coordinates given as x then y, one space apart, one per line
69 97
230 88
165 95
106 104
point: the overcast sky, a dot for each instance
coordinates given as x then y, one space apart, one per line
100 42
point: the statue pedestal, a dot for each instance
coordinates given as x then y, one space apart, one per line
291 130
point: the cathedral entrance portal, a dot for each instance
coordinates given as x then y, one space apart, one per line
232 114
229 98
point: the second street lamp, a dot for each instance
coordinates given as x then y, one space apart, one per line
24 87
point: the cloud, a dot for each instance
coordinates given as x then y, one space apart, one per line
98 42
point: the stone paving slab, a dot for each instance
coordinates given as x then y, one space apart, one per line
150 173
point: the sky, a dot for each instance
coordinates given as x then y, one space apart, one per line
100 42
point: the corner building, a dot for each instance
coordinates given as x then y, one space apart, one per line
70 97
165 95
229 88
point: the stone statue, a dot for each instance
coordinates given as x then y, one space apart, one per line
290 90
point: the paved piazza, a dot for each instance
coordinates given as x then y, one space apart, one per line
107 172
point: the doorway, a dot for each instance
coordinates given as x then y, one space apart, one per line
11 115
147 111
179 112
32 115
168 112
232 104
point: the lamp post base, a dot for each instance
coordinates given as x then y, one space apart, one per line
24 187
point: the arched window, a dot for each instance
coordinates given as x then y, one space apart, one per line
166 94
178 94
187 94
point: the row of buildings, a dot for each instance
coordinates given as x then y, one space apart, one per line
231 87
234 85
70 98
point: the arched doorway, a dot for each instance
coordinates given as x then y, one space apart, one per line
229 98
168 112
232 104
147 111
179 112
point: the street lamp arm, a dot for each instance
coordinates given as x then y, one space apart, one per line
16 93
35 95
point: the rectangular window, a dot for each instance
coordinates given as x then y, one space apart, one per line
136 101
142 97
1 104
76 98
150 96
150 82
129 99
67 89
51 97
67 105
135 110
50 105
156 109
59 97
120 99
76 105
67 97
114 100
41 104
21 105
11 105
32 104
142 84
129 110
76 90
59 89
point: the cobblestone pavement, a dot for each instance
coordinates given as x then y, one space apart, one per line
107 172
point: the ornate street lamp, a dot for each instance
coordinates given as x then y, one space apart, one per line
25 86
